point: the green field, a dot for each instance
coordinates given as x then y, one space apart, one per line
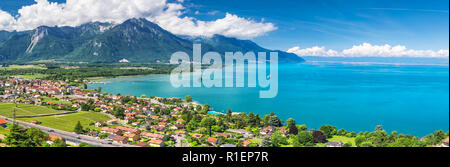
67 122
12 67
54 101
6 109
34 76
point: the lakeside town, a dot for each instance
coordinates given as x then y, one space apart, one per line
103 119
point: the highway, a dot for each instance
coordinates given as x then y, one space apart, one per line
70 136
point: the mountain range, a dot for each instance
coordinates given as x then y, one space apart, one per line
136 40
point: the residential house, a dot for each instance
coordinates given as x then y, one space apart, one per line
445 143
179 121
52 138
246 143
153 136
197 135
335 144
130 130
3 123
142 144
112 122
267 130
181 133
131 136
111 130
225 135
179 126
120 139
156 143
212 140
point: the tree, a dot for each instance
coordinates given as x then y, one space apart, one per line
341 132
17 138
435 138
208 122
206 107
58 143
274 121
277 139
302 127
407 142
266 142
304 138
119 112
253 120
380 138
379 128
359 140
78 128
291 124
36 135
293 130
328 130
228 115
188 98
198 108
266 119
319 137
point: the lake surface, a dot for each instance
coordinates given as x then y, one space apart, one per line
411 99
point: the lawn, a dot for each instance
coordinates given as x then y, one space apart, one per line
6 109
67 122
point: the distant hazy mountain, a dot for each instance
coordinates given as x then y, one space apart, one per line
224 44
136 40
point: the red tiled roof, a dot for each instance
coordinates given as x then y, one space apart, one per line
2 121
246 143
152 135
128 129
156 141
130 135
120 138
110 130
212 140
180 132
196 135
142 144
53 137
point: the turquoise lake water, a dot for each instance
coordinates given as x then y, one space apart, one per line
411 99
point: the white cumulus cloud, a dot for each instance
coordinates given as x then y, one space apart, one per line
168 15
369 50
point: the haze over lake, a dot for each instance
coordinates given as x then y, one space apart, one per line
411 98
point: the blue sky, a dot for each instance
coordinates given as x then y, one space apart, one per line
334 24
339 24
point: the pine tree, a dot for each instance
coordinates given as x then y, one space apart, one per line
78 128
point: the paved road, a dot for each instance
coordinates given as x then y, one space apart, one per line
70 136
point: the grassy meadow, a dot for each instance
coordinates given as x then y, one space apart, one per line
67 122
